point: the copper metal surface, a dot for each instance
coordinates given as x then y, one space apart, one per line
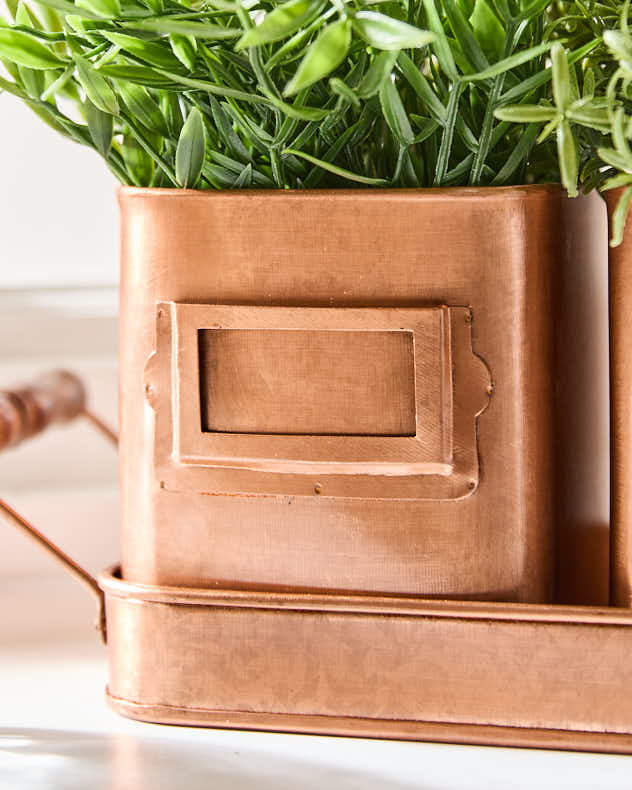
621 413
450 387
502 253
582 430
502 674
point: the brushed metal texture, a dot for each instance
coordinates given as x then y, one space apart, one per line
620 283
503 674
502 253
305 382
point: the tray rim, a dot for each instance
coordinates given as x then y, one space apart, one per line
113 585
378 729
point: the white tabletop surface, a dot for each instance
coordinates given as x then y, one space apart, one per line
56 733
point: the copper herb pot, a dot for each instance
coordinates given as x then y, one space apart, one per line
359 391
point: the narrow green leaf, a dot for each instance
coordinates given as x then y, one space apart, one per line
157 6
185 27
185 49
561 77
426 127
619 44
379 71
32 79
384 32
440 45
11 68
341 89
190 150
203 85
447 137
507 64
172 113
12 88
422 88
322 57
101 8
143 107
543 77
149 51
27 50
69 9
298 111
57 85
278 172
615 159
351 134
458 172
338 171
517 157
618 134
533 9
139 75
96 86
591 117
226 131
616 182
526 113
488 30
620 216
281 22
244 179
548 130
465 36
236 167
567 155
219 177
101 127
589 84
298 39
138 162
395 114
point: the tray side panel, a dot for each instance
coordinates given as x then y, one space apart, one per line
402 668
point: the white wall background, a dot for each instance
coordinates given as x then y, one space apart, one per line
58 212
58 306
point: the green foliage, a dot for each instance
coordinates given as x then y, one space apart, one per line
295 94
590 107
313 93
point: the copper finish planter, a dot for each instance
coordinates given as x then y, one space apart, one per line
478 673
355 391
621 413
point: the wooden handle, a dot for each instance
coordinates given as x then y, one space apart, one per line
55 397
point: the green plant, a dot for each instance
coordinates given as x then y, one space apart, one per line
590 107
309 93
298 94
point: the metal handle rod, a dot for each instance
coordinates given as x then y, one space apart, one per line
61 557
56 397
101 427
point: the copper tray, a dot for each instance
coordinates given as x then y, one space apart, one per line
390 667
502 674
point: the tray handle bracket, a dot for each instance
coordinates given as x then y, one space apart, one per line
56 397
